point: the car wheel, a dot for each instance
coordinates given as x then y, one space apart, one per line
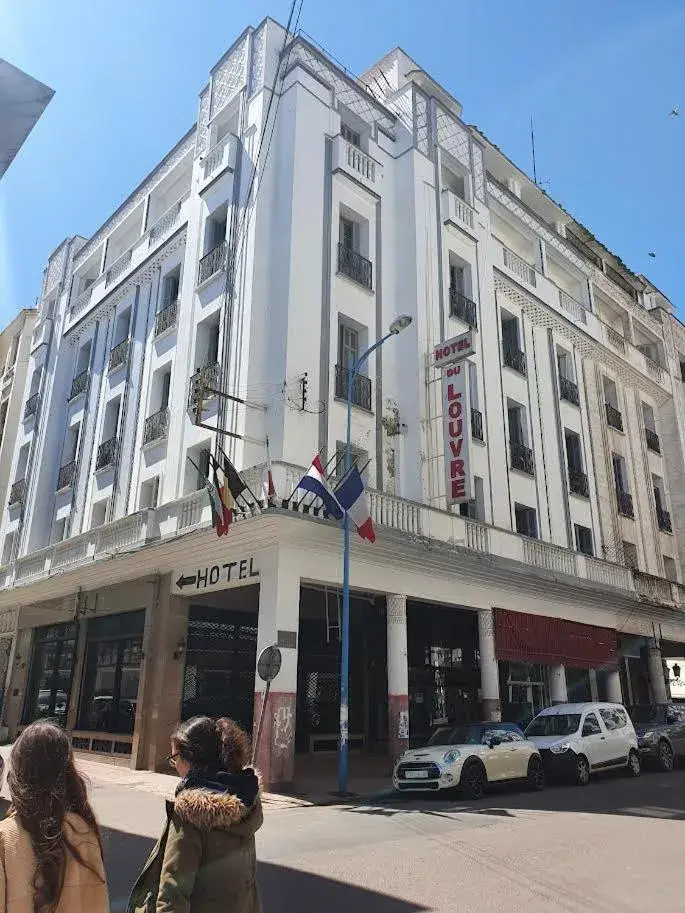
582 771
664 754
536 774
473 781
634 766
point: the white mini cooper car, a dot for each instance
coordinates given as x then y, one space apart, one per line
469 756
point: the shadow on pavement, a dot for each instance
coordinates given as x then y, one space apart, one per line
125 855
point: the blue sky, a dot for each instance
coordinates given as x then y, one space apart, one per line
599 79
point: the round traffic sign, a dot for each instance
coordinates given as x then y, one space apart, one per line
269 663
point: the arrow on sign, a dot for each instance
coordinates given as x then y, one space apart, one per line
185 581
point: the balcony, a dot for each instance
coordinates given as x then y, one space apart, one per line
614 417
67 474
477 425
457 211
79 384
356 164
654 369
578 482
221 156
81 303
625 504
118 356
653 442
577 310
166 318
17 492
521 458
156 427
106 455
463 308
360 162
522 270
664 520
31 406
615 339
354 266
657 589
514 358
212 263
568 390
165 223
361 388
119 267
207 377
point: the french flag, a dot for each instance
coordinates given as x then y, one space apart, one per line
352 498
314 481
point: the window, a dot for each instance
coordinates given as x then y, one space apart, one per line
350 135
59 530
565 364
348 346
121 328
455 183
648 417
114 649
149 494
99 514
8 548
475 508
83 358
584 540
203 467
511 346
591 725
670 569
170 287
630 555
215 228
3 418
110 425
682 371
71 444
360 459
574 453
610 393
517 423
349 233
207 343
13 351
50 675
613 717
526 521
620 473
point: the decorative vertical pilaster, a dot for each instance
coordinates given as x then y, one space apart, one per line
398 675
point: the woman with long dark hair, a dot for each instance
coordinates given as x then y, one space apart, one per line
50 847
205 861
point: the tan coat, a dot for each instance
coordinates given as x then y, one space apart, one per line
83 891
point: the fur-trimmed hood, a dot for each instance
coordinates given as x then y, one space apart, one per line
217 801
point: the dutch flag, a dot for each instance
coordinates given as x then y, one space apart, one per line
352 498
314 481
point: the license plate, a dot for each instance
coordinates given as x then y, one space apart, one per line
416 774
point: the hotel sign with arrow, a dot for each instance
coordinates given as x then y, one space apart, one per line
197 580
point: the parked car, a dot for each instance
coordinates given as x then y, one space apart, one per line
469 756
578 740
660 732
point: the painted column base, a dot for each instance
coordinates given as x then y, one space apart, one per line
398 724
492 710
276 751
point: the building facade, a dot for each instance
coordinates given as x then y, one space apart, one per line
279 238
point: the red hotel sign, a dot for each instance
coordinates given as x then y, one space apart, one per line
456 430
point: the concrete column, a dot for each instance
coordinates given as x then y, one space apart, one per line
19 674
594 689
557 685
279 614
398 675
614 693
489 669
657 680
77 675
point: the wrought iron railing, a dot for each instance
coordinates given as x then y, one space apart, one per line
118 356
463 308
354 266
165 223
614 417
653 441
615 338
569 390
17 492
477 424
521 458
31 406
514 358
107 452
625 503
578 482
212 262
118 267
166 318
156 426
664 519
79 384
519 267
573 307
66 476
208 376
361 387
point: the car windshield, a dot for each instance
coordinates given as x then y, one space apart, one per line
457 735
646 713
554 724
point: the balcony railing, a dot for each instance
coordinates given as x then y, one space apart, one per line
664 519
518 266
361 162
521 458
578 482
118 267
477 424
118 356
618 279
79 384
166 318
653 441
573 307
207 377
657 589
625 504
17 492
361 387
463 308
107 452
615 338
654 369
31 406
514 358
156 426
66 476
614 417
165 223
354 266
568 390
212 263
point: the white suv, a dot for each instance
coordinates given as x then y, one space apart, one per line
577 740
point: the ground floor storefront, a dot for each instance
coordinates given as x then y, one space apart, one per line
120 661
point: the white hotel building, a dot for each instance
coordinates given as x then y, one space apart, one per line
563 576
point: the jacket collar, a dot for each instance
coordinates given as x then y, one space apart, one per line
216 799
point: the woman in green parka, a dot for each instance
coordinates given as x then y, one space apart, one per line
205 861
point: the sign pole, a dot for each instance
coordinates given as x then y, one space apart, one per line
268 667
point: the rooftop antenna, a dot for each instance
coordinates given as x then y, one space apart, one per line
532 146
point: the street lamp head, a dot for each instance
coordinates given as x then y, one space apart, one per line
400 323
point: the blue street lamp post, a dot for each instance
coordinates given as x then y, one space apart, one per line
398 324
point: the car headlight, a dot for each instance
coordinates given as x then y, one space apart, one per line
560 748
451 756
